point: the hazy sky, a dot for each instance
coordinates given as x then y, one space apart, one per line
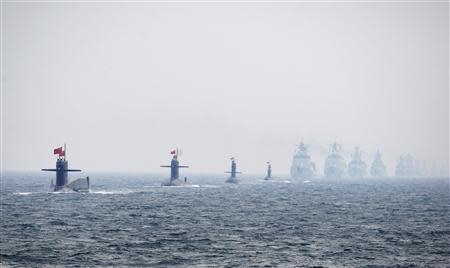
123 83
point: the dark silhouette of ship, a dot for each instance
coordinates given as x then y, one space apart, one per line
269 171
174 171
62 183
233 172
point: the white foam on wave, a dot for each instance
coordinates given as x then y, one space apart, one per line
184 186
279 181
209 186
191 186
113 192
24 193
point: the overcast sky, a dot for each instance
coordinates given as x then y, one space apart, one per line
123 83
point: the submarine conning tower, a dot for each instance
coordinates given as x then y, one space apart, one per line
233 171
175 166
61 173
62 168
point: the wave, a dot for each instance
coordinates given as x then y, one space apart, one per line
114 192
24 193
184 186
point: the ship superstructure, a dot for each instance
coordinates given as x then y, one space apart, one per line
335 163
174 171
233 172
408 166
378 169
302 166
357 167
269 171
62 170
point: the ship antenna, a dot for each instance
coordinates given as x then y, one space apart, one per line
64 151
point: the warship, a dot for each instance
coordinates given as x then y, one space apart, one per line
334 163
62 183
232 178
269 171
357 167
378 169
408 166
174 171
302 166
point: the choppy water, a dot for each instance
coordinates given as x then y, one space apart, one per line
128 220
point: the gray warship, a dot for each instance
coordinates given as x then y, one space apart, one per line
302 166
174 171
269 172
378 169
233 172
62 183
334 163
408 166
357 167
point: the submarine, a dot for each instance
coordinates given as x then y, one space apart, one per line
174 171
232 178
62 170
269 172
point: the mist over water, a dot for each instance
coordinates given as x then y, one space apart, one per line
124 83
129 220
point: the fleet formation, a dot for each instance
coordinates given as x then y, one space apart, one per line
302 167
336 166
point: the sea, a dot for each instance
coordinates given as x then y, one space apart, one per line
129 220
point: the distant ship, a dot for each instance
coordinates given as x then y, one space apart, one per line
62 183
334 163
408 166
357 167
174 171
302 166
269 172
233 172
378 169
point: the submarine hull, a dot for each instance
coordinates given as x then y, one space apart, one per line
232 180
80 185
175 182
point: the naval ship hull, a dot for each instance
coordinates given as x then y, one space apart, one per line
378 172
232 180
302 173
80 185
176 182
334 172
357 171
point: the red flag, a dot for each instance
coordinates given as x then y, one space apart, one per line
58 151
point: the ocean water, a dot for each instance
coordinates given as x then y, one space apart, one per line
129 220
